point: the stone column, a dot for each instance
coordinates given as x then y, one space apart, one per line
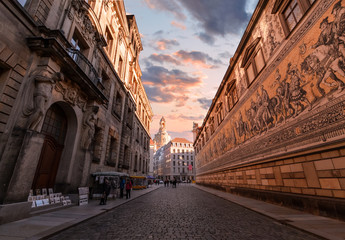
24 172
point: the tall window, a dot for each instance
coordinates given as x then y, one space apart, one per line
231 95
78 44
120 67
219 113
55 124
255 65
97 145
292 13
211 124
109 40
111 151
106 83
117 104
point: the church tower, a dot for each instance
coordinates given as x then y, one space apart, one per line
162 137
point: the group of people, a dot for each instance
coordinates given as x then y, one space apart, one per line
127 185
167 182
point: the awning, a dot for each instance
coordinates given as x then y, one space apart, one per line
120 174
150 177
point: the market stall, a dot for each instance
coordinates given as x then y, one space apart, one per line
114 178
138 182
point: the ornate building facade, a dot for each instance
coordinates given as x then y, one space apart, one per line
175 160
275 129
71 98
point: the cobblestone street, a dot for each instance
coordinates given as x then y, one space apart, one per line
182 213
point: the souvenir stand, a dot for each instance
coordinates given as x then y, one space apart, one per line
139 182
98 180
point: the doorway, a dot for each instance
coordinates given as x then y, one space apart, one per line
54 128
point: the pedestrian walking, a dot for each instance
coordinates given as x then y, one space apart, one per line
128 189
122 186
105 191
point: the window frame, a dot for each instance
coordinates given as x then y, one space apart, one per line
304 5
251 61
109 40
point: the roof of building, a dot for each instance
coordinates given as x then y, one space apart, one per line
180 140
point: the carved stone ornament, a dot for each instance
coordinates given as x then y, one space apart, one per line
82 18
72 94
89 122
39 96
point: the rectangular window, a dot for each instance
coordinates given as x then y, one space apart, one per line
257 63
292 13
78 44
117 105
250 73
109 40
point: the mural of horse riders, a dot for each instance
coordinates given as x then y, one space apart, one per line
326 63
328 56
292 93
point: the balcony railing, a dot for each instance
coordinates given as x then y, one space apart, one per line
85 65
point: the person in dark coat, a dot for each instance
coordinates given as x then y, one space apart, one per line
122 186
105 191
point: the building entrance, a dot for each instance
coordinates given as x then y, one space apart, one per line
54 128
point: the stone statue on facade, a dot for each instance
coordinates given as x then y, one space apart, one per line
89 121
44 84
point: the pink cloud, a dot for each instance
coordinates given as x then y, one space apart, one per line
164 44
197 59
169 86
178 25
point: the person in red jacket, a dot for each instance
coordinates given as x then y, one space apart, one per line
128 188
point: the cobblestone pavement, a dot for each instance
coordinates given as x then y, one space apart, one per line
184 212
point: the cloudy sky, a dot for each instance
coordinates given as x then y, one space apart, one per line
187 47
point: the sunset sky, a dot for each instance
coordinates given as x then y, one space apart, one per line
187 47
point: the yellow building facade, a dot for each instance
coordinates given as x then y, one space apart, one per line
275 130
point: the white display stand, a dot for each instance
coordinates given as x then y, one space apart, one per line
83 195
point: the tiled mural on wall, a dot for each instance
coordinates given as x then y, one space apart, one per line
311 75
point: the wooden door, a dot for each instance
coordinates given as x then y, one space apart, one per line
55 128
48 164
